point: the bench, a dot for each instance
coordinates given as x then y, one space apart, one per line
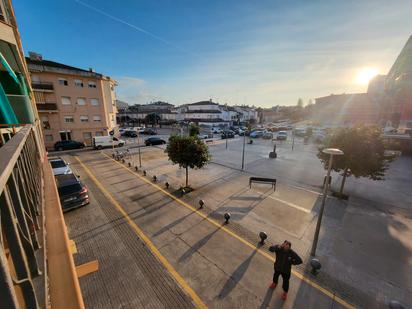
263 180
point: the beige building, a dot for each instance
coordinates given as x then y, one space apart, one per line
73 104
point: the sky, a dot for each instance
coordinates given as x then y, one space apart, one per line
261 53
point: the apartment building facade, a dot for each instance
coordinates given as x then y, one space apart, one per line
73 103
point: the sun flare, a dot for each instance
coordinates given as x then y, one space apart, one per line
364 75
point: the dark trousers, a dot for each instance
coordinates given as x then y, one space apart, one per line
285 278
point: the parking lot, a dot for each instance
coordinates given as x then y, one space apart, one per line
193 245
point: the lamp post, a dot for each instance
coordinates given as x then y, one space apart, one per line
243 150
331 152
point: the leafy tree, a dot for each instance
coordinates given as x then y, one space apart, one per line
364 153
187 151
152 118
194 130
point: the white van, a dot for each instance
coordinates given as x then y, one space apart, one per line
100 142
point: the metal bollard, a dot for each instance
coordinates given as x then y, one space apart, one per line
201 203
130 164
144 173
154 178
263 236
227 217
167 185
136 168
316 266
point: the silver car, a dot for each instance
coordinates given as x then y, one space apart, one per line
60 167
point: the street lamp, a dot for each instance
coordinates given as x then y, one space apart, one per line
331 152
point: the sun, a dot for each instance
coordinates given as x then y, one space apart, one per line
364 75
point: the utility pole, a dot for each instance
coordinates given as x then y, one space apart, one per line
243 150
140 158
293 140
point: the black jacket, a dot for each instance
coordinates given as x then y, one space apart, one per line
285 259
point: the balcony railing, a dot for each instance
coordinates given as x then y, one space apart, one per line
42 86
46 107
36 266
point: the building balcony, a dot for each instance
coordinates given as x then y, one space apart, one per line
46 107
42 86
36 263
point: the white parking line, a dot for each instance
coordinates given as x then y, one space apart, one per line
288 203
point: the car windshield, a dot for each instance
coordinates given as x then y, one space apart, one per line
70 189
57 164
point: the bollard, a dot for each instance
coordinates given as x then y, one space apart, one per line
123 161
227 217
167 185
394 304
144 173
136 168
182 192
130 164
113 155
263 236
201 203
154 178
315 264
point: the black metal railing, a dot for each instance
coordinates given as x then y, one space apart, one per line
20 209
42 86
46 107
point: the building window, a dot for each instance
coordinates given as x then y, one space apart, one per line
49 137
81 101
99 133
94 102
63 82
96 118
78 83
92 85
68 119
84 118
87 135
66 101
45 122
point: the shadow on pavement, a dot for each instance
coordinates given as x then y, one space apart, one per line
236 276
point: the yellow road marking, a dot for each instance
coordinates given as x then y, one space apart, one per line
181 281
242 240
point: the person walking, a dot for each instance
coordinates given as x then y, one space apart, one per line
285 258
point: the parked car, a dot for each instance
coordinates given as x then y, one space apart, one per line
129 133
59 166
149 131
267 135
154 141
66 145
256 134
204 136
282 136
228 134
72 192
99 142
300 132
216 130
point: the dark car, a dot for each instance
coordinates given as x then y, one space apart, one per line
66 145
228 134
154 141
129 133
72 192
149 131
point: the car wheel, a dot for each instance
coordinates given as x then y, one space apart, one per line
99 147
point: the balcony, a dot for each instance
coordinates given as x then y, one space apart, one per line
36 264
46 107
42 86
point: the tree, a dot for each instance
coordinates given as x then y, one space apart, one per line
194 130
152 118
187 151
364 153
